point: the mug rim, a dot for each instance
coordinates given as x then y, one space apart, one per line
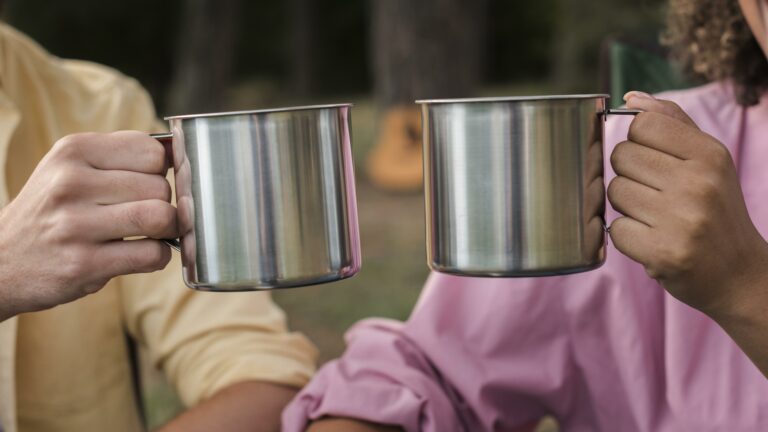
513 98
258 111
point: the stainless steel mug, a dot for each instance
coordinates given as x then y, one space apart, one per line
266 199
514 186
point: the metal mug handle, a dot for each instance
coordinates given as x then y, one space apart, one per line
621 111
618 111
166 139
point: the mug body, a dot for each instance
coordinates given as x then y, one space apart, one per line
266 199
514 186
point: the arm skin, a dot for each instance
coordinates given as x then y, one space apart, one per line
252 406
686 221
747 323
348 425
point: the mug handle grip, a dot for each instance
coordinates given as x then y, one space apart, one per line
166 139
175 244
618 111
621 111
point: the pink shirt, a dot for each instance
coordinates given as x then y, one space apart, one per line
607 350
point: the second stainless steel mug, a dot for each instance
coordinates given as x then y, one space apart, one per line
514 186
266 199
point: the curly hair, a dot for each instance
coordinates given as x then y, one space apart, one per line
712 41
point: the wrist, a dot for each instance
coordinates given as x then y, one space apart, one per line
746 291
7 303
8 306
746 317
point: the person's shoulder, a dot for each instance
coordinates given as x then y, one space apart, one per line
20 49
99 79
715 101
68 81
712 106
104 98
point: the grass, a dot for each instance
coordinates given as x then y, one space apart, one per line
394 268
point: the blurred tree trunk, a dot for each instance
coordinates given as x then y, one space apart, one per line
302 46
422 49
427 48
205 52
568 38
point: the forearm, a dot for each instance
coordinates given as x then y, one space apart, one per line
747 324
750 335
248 406
9 306
12 300
348 425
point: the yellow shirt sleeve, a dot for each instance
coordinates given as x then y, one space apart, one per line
206 341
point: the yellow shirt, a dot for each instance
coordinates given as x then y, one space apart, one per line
68 368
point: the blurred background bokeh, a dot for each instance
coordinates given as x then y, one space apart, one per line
206 55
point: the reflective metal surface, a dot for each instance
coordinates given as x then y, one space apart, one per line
266 199
514 186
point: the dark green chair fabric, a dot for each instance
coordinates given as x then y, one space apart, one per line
638 66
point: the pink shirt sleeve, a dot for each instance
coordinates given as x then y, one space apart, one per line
460 363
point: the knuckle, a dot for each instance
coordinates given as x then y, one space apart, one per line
156 154
671 107
636 126
618 155
611 190
617 226
704 188
68 226
696 225
59 193
67 144
677 254
641 122
68 179
154 255
618 232
71 146
93 287
158 255
678 259
653 271
66 182
153 217
77 265
166 214
164 189
615 189
720 158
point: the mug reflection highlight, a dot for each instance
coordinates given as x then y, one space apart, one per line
514 186
266 199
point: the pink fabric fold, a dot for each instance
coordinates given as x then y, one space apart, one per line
606 350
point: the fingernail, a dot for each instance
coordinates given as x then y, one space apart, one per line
635 93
